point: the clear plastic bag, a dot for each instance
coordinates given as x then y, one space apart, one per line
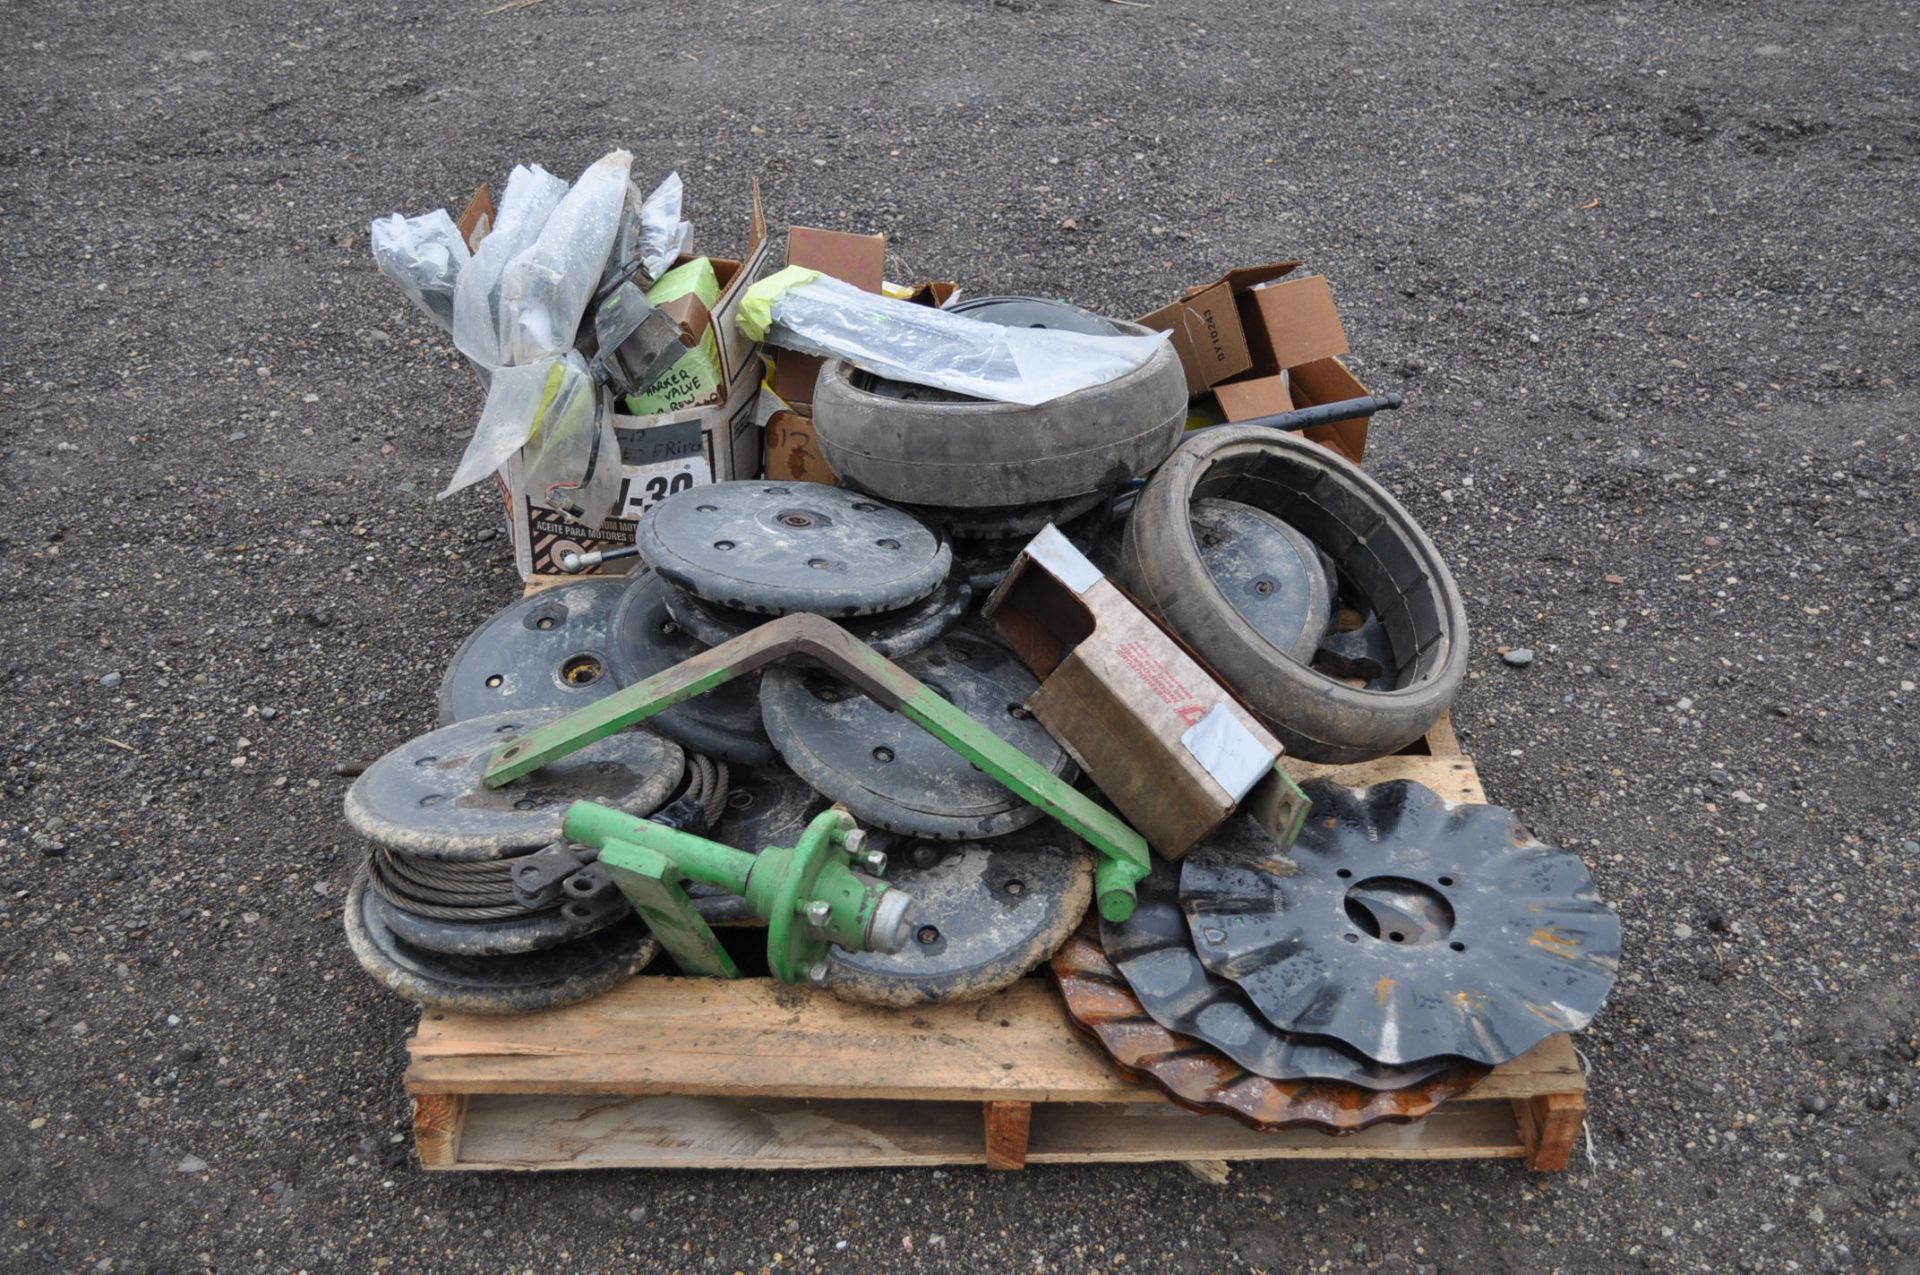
928 346
664 235
532 193
545 288
573 461
425 255
521 402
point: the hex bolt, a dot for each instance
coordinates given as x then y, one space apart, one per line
853 841
817 975
874 861
819 912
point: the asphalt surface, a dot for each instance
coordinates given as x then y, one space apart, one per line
1646 273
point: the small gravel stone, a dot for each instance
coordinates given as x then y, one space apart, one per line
111 680
1518 657
1814 1103
191 1164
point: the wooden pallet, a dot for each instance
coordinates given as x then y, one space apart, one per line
670 1072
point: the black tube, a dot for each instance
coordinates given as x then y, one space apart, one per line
1326 413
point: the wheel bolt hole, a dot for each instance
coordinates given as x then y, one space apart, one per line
927 935
544 622
739 800
1396 936
525 803
883 754
1016 888
723 545
581 670
888 543
818 564
1344 873
495 682
1019 712
1458 947
1446 880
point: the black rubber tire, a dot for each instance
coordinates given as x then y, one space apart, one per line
979 454
1002 523
1380 551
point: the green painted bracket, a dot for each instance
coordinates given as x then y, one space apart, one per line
1125 860
651 882
1279 805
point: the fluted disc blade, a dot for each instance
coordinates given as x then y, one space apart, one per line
1405 926
1154 953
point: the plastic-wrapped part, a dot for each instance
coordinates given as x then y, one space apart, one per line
573 458
532 192
425 255
523 401
664 235
545 288
651 236
816 314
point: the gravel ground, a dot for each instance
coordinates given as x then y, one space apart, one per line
1646 274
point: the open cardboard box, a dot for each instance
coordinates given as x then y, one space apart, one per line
709 442
1263 343
1166 742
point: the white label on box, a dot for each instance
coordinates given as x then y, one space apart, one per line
658 461
1228 750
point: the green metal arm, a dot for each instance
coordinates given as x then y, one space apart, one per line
1125 860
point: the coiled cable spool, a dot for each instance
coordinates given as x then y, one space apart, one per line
483 891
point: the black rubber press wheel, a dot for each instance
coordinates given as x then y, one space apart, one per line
1381 555
976 454
779 547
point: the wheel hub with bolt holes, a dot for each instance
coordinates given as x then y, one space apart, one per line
1267 571
776 548
894 775
1405 926
429 798
552 650
985 913
1154 953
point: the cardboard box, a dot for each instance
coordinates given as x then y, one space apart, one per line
1290 322
1206 326
1257 396
1166 742
1240 335
663 453
860 260
793 450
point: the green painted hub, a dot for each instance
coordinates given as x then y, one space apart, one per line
787 886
